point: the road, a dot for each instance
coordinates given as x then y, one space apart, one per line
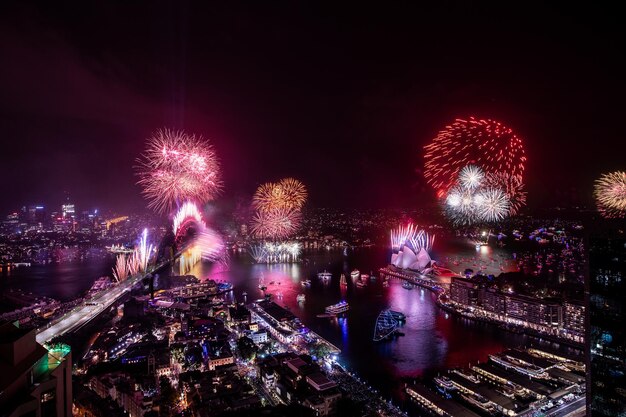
84 313
569 408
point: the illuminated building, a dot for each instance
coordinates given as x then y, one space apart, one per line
464 291
34 380
69 210
607 334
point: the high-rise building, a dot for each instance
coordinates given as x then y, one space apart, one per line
607 318
69 210
34 380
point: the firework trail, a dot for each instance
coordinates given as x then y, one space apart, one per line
177 167
488 144
144 251
120 270
411 236
610 194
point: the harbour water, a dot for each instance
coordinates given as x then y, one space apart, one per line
433 340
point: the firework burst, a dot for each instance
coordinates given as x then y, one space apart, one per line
488 144
480 198
276 224
610 194
294 191
493 205
512 186
288 193
471 177
177 167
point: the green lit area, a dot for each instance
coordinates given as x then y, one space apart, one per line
56 354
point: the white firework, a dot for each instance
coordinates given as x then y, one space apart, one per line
495 205
471 177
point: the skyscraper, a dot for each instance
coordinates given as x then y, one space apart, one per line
607 303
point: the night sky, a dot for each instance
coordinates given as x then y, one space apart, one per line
341 97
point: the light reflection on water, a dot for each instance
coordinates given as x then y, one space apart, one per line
431 342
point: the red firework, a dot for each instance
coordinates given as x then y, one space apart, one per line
486 143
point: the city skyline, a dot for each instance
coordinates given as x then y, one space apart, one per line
345 111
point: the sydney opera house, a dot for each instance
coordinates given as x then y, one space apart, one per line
410 249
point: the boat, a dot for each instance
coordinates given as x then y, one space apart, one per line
326 316
365 276
324 275
386 325
355 273
244 294
343 281
407 285
306 283
301 298
445 383
340 307
398 315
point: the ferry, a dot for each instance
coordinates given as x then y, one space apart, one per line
301 298
324 275
340 307
343 281
355 274
306 283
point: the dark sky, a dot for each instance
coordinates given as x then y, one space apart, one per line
342 97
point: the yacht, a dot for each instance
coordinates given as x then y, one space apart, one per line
301 298
306 283
355 274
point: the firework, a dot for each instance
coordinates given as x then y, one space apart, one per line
275 224
512 186
120 270
471 177
187 212
144 251
269 252
480 198
411 236
268 197
207 243
177 167
610 194
294 191
486 144
211 245
288 193
493 205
